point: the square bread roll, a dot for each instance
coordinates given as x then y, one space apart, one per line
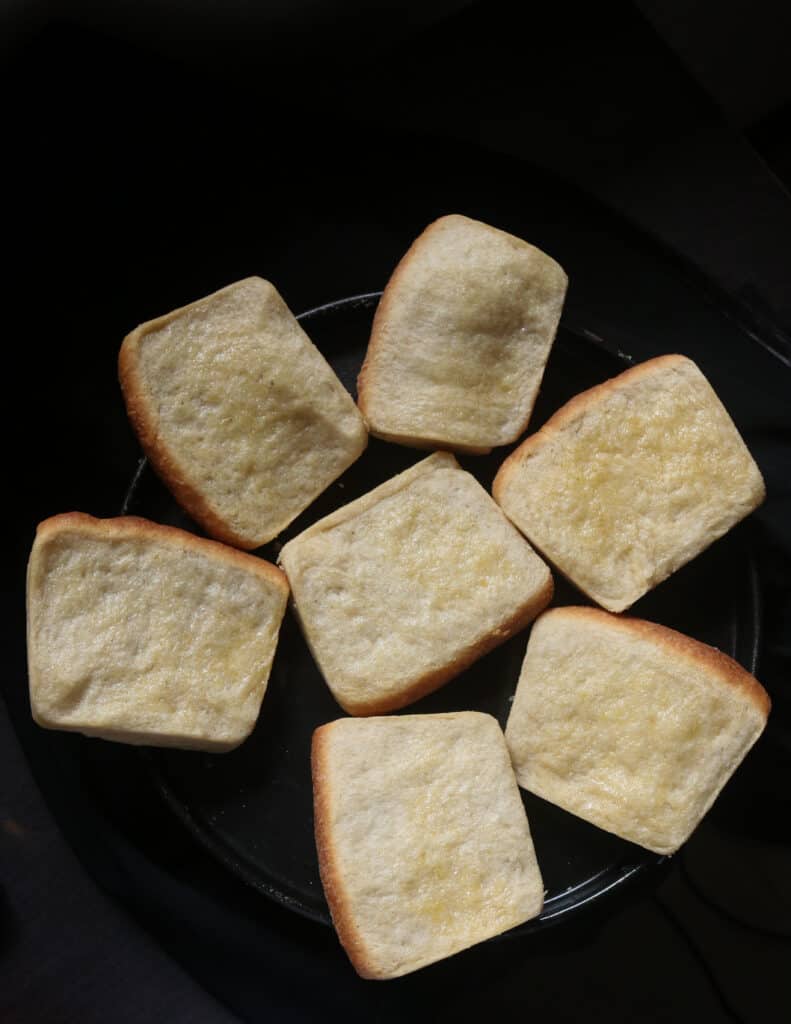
402 589
141 633
629 725
423 842
630 480
238 411
461 338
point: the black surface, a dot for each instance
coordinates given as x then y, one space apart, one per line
145 168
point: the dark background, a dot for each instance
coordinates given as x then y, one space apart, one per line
156 151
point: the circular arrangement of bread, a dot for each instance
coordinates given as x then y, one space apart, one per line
146 634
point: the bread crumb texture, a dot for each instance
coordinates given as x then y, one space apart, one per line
239 411
630 725
401 589
424 844
631 480
146 634
461 338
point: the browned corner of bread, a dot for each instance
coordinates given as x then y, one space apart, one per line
727 669
62 521
336 896
705 657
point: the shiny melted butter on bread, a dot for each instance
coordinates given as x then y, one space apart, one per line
411 582
630 725
631 480
145 634
461 338
424 844
239 411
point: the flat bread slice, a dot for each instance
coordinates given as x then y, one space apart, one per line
630 480
423 843
630 725
141 633
461 338
238 411
402 589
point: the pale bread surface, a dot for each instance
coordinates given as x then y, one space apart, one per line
630 725
400 590
630 480
423 842
239 412
461 338
143 633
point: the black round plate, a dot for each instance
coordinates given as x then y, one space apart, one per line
253 807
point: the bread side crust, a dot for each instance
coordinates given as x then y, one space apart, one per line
382 316
331 880
143 418
710 660
137 528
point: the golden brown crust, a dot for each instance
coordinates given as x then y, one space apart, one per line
138 528
380 317
431 681
336 895
143 421
574 408
709 659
